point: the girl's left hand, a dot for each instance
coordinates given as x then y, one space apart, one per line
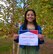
41 37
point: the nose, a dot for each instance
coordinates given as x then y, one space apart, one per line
30 15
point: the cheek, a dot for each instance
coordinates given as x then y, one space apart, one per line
30 19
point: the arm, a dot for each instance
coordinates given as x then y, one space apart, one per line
16 36
40 36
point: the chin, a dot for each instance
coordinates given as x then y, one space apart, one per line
30 21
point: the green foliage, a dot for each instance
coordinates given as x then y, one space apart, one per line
5 46
44 12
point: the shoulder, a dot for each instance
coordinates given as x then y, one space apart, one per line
38 27
21 27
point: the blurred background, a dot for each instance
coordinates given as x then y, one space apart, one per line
12 16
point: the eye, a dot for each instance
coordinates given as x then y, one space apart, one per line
28 14
32 14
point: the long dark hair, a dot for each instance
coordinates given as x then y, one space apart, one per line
25 21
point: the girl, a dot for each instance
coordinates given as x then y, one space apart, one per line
31 24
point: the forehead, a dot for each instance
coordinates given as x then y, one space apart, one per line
30 12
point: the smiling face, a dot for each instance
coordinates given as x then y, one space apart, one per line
30 16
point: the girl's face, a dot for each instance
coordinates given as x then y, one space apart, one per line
30 16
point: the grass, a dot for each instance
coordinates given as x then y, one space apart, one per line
5 46
50 36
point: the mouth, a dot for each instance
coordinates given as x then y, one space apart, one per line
30 18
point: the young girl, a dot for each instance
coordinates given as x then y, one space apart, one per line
31 24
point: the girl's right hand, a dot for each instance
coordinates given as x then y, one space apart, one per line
15 36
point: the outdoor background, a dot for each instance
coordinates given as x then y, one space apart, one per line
12 16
